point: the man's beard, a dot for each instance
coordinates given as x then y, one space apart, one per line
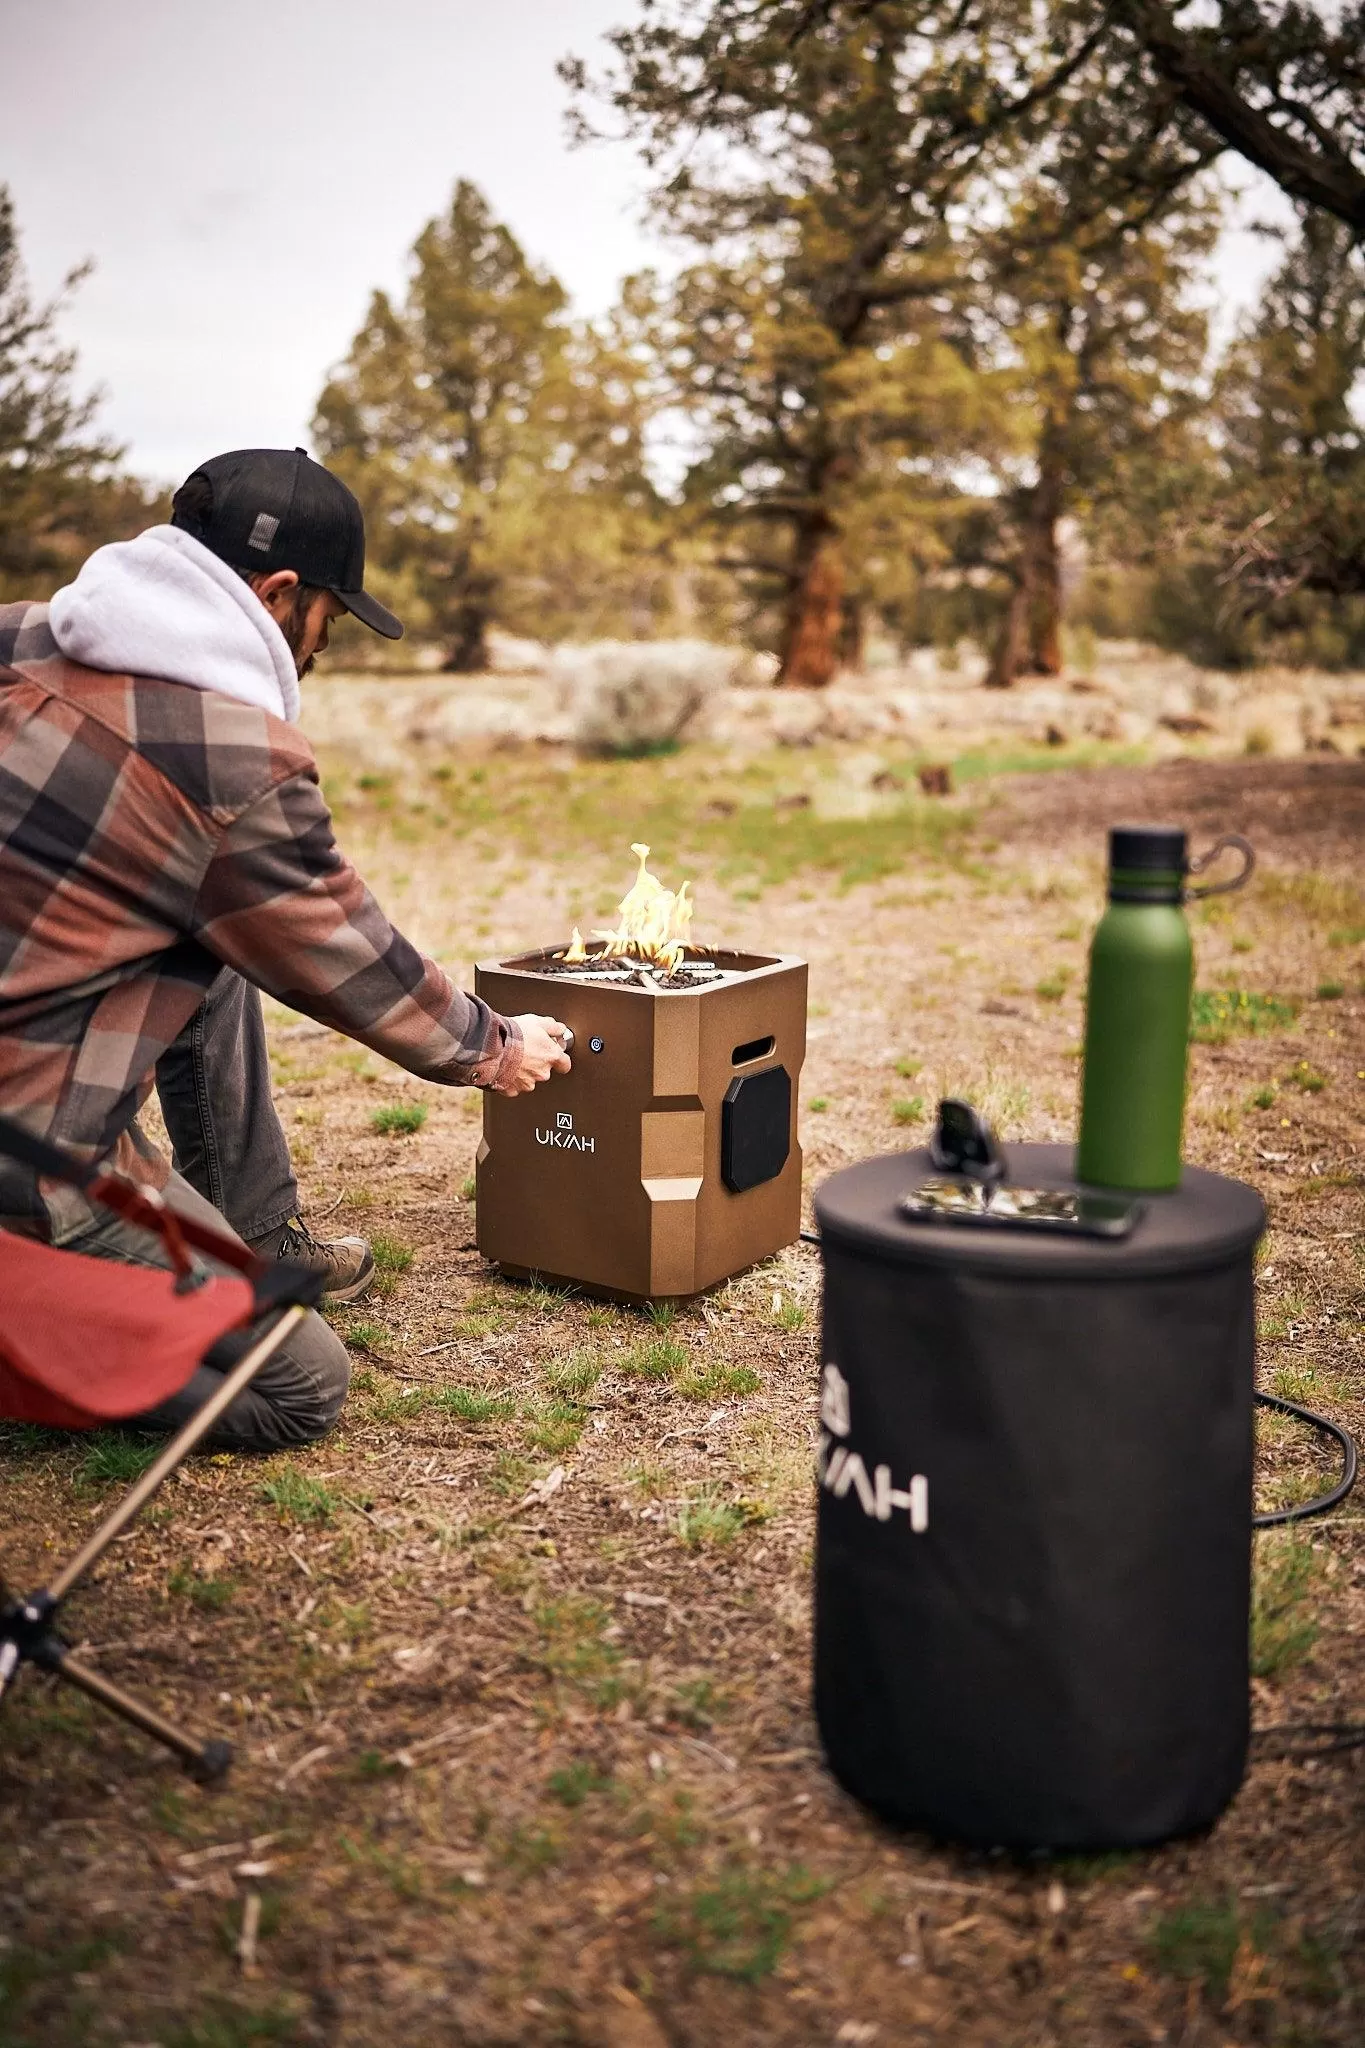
295 627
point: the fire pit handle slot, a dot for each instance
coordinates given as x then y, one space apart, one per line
754 1049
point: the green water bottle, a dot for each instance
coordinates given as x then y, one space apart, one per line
1137 1012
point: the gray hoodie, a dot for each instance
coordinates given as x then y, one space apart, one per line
163 606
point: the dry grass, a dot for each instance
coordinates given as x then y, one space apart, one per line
532 1764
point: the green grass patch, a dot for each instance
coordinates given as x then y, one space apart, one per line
554 1426
573 1648
229 2026
716 1380
660 1360
1309 1385
1306 1077
738 1923
979 762
485 1314
743 839
210 1594
1198 1942
1283 1625
698 1703
26 1967
538 1298
391 1255
471 1404
573 1377
908 1111
1329 991
1054 986
527 1850
28 1439
114 1459
1320 898
1216 1015
575 1783
398 1119
708 1521
395 1401
403 1873
1264 1097
392 1259
818 1104
369 1337
300 1498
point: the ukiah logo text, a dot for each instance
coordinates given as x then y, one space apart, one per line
841 1470
565 1136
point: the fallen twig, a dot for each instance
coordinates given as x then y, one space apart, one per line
251 1927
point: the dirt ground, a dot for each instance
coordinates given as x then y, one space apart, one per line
517 1662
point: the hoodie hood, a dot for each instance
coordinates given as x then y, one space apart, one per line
163 606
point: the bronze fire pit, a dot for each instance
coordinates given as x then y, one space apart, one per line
668 1159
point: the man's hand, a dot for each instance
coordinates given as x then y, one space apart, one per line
542 1053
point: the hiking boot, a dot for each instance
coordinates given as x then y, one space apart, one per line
347 1263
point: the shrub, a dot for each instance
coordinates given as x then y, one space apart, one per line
635 700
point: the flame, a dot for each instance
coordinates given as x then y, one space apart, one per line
654 921
577 952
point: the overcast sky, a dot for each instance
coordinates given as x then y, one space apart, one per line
245 175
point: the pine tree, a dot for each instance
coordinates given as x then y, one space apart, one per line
1105 342
433 414
1281 82
1289 507
816 460
61 489
816 156
498 447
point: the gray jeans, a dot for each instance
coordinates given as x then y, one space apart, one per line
232 1162
214 1085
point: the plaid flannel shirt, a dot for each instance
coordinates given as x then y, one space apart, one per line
149 834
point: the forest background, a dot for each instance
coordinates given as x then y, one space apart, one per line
937 365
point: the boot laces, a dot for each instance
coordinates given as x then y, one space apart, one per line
299 1238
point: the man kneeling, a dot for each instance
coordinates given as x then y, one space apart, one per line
166 854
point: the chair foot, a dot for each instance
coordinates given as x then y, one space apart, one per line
215 1760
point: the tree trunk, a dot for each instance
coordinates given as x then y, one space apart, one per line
1045 624
466 640
853 634
1011 646
815 609
1030 637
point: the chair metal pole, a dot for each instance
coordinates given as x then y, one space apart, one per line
206 1759
179 1447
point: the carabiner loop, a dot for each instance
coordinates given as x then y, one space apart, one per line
1206 860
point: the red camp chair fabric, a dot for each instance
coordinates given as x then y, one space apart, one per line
86 1341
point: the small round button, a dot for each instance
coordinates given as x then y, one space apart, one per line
597 1044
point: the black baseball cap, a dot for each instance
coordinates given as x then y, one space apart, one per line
275 508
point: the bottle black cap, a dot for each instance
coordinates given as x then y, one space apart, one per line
1147 864
1148 846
